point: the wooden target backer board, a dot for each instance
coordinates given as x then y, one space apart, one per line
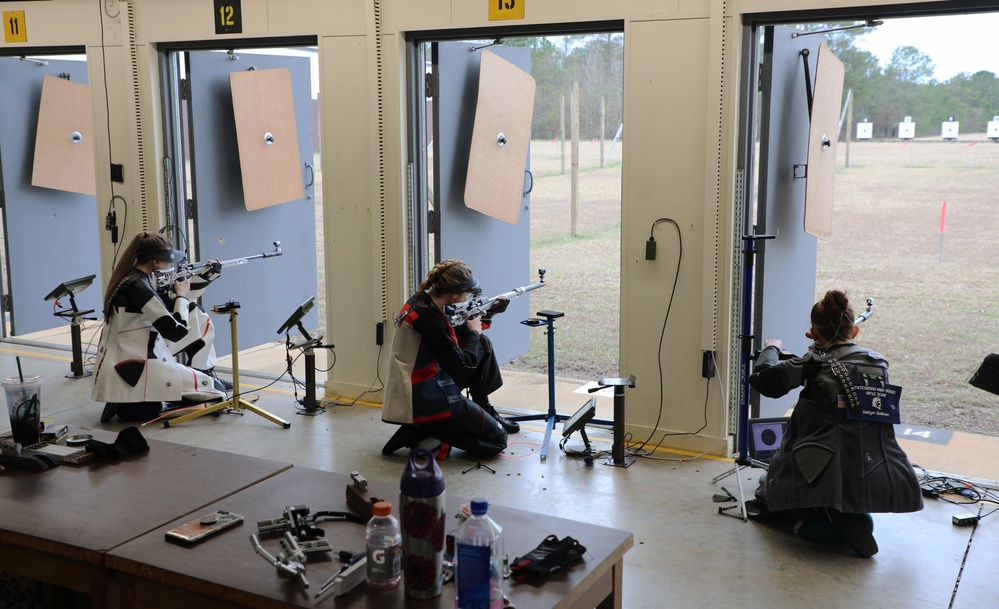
64 142
264 110
826 103
494 184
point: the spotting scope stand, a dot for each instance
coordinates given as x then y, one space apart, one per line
617 448
236 404
76 317
308 348
742 459
547 318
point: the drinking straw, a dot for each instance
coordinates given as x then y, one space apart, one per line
20 375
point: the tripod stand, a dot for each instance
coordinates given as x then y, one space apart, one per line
236 403
552 415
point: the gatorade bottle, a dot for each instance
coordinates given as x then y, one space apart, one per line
384 542
479 561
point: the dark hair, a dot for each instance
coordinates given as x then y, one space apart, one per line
140 249
445 276
833 317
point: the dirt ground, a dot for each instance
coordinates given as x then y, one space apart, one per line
583 269
936 310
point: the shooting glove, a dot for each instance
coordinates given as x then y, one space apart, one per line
550 555
211 272
499 306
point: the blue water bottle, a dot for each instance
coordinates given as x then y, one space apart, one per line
478 561
421 513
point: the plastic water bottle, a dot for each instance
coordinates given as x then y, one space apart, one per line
384 543
479 561
422 500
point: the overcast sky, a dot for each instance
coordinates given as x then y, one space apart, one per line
961 43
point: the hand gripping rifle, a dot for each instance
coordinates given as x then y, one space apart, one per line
476 305
182 271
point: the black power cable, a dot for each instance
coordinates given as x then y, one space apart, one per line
650 255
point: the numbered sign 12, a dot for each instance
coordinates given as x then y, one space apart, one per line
228 17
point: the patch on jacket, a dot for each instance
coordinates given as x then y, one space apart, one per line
131 371
192 349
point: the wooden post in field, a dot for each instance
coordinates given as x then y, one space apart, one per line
561 136
574 113
849 124
603 122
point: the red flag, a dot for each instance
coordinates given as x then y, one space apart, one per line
943 215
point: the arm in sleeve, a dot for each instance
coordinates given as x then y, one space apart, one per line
459 362
171 326
774 378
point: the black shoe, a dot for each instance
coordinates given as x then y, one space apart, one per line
403 437
855 530
756 509
110 410
505 423
220 383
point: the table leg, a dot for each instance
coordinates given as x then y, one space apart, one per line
614 599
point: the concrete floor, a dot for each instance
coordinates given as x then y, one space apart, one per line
685 553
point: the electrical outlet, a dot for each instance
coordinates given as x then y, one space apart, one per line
650 249
708 364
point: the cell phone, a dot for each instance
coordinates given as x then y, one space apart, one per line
208 524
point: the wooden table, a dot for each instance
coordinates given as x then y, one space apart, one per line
57 525
224 571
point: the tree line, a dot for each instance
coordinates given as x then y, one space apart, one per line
904 86
596 62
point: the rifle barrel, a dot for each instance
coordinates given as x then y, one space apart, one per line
165 280
464 311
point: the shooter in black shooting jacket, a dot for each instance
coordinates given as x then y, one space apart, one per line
839 459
